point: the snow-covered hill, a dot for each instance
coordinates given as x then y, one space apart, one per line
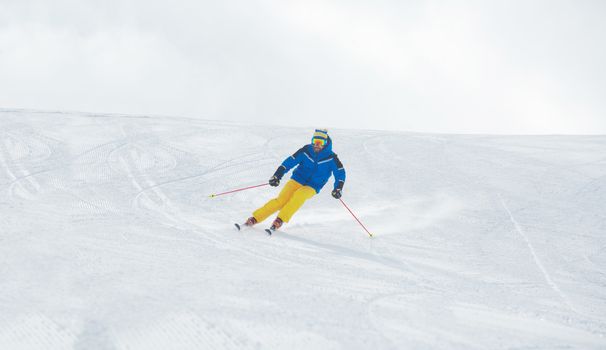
109 240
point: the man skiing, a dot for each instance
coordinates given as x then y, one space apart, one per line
314 163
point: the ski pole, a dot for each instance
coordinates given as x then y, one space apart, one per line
370 234
238 190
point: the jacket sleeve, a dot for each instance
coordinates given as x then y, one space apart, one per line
339 174
289 163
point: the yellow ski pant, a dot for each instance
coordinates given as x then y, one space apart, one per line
290 199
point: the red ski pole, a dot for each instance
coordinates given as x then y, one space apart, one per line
238 190
365 229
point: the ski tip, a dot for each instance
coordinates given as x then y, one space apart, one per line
268 231
238 226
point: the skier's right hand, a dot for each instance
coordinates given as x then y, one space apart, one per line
274 181
337 193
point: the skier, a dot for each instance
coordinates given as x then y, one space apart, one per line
314 164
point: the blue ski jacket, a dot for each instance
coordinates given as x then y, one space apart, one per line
314 169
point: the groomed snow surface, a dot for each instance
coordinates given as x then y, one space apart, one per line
109 240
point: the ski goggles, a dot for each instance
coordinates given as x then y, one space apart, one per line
319 142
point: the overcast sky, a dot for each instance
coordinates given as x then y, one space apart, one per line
509 66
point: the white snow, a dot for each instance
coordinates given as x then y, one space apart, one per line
109 240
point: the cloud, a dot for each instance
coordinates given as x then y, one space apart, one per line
510 67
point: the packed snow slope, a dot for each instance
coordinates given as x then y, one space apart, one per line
109 240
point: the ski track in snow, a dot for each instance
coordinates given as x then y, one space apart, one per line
535 257
12 159
110 241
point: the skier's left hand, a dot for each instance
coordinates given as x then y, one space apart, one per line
336 193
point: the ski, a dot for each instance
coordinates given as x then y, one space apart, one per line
240 227
271 230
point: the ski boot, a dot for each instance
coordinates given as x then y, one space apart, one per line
251 221
276 224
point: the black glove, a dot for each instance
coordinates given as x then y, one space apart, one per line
274 181
336 193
